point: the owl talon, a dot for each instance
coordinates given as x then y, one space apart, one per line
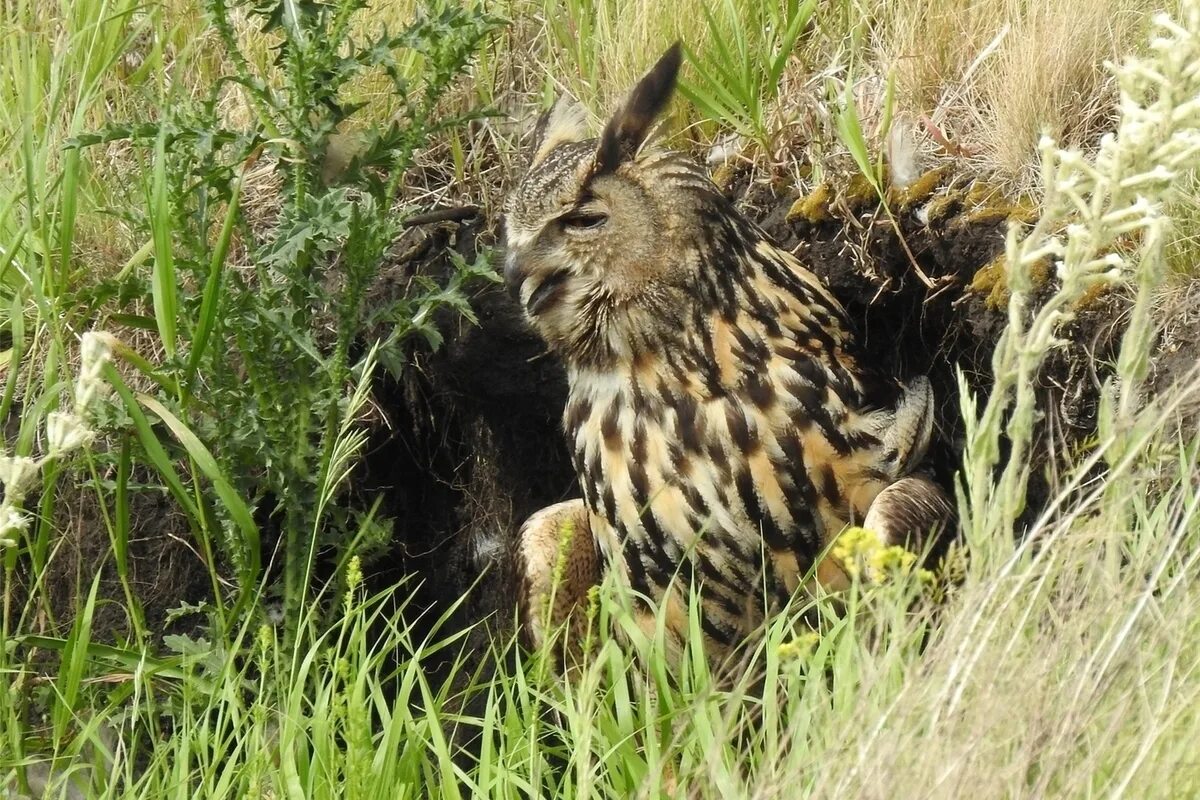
558 564
911 512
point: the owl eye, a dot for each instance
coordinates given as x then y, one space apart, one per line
583 220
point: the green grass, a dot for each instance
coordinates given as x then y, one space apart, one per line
1063 663
1065 667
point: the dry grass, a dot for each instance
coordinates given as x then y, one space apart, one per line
1065 658
992 76
988 76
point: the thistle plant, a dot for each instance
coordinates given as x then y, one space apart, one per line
257 360
1094 208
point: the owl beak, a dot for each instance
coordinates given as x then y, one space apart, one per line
547 292
513 274
543 288
514 277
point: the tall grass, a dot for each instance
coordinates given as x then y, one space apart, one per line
996 75
50 82
974 82
220 390
1052 671
1061 663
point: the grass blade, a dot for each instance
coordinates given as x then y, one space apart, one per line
212 286
129 659
850 131
163 278
239 512
74 659
162 464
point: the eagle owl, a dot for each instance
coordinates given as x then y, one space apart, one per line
723 423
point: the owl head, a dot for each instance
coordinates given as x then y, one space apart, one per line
603 234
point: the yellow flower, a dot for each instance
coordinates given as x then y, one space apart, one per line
891 559
265 638
354 574
853 549
861 554
800 647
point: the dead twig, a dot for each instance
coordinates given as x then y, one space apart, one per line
451 214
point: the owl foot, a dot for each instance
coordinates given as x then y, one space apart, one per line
558 563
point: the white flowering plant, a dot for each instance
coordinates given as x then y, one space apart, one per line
65 433
1092 205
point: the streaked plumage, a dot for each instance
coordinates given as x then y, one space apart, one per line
723 423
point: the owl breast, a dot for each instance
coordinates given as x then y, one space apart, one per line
712 466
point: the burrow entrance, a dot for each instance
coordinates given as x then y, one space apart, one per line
473 443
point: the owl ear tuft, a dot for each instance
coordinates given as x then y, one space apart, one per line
627 130
564 122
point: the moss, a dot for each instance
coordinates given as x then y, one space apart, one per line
919 190
987 203
1093 295
992 280
989 275
724 175
1026 209
982 193
1039 273
781 183
997 299
985 215
979 203
859 192
813 207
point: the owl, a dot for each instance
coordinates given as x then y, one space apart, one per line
723 422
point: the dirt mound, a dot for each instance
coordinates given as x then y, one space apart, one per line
475 445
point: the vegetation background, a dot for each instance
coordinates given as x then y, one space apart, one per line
202 199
